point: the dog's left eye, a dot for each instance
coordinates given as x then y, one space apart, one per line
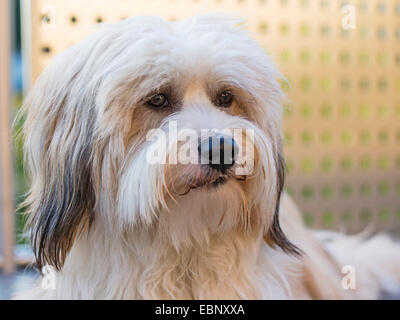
225 99
158 101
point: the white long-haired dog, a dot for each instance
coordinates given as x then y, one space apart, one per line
117 219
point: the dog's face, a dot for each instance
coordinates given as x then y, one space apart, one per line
123 128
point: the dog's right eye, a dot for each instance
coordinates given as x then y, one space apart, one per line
158 101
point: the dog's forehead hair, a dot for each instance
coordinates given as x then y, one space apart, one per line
183 59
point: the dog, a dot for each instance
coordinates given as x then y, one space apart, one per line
115 218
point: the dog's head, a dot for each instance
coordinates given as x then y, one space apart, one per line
167 125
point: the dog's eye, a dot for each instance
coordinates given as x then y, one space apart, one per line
158 101
225 99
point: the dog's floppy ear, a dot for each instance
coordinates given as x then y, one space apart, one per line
58 142
274 236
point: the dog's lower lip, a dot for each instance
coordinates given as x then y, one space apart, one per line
220 181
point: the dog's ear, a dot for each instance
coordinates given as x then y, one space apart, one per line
58 143
274 236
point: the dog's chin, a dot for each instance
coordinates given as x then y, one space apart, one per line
215 209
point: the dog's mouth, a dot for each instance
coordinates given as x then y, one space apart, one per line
207 184
219 181
211 180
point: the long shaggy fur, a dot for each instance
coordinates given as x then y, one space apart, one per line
115 226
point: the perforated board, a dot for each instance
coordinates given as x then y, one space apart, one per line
342 126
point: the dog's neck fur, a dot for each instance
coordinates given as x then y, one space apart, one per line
140 264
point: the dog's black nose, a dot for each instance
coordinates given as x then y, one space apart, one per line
219 152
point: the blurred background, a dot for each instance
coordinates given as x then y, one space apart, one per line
342 119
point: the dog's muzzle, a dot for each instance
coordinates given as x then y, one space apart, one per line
219 152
